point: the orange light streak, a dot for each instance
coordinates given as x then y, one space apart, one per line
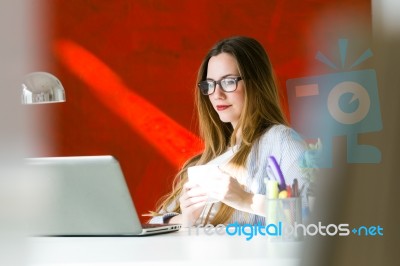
168 137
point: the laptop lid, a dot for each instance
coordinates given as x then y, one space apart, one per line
84 196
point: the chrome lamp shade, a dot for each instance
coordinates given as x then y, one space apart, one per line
42 87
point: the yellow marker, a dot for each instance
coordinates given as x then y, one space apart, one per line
272 189
283 194
272 196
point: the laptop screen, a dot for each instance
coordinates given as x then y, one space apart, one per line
81 196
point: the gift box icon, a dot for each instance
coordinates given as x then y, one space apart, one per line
337 104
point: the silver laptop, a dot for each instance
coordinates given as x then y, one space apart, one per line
85 196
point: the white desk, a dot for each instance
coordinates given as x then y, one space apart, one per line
177 248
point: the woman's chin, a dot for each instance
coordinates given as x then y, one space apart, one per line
225 119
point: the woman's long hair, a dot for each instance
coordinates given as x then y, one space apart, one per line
261 110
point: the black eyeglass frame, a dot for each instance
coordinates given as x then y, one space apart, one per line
218 82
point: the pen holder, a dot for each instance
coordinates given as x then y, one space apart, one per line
283 216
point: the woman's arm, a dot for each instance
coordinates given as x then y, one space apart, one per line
228 190
251 203
257 204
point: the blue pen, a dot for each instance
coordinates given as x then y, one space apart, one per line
273 169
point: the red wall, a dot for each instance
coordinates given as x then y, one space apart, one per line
129 68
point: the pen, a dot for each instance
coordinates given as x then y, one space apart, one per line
295 188
274 170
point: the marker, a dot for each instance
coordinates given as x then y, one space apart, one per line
295 188
272 189
283 194
289 191
274 170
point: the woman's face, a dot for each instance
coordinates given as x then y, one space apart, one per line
228 105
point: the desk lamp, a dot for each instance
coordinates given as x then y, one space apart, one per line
41 87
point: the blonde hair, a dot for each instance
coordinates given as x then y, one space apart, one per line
261 110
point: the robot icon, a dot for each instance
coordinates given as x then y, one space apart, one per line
337 104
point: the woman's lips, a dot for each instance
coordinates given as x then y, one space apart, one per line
222 107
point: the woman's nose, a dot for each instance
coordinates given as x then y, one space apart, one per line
218 93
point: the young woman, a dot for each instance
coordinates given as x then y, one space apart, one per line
242 123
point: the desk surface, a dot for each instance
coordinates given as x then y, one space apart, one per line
177 248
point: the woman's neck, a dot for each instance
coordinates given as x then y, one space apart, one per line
238 136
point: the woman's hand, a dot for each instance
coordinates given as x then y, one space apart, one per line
228 190
192 202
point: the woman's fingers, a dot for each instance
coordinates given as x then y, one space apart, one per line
196 191
189 185
192 201
192 194
189 202
197 206
192 190
227 190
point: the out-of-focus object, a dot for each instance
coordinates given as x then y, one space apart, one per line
366 195
42 87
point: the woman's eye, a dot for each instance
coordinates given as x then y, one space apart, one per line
229 81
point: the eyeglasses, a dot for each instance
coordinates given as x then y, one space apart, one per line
207 87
